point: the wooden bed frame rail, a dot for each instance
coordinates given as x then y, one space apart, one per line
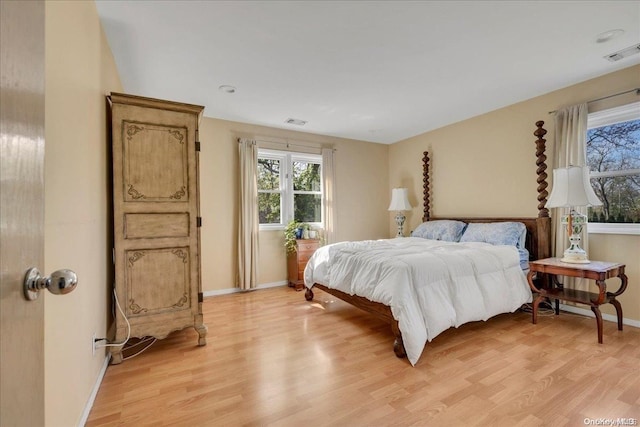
379 310
538 236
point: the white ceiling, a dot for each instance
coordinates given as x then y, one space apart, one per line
378 71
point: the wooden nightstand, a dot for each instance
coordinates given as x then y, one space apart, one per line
596 270
297 261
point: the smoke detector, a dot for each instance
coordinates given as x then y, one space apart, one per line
296 122
624 53
608 35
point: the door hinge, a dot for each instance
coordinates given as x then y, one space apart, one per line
197 145
198 221
200 297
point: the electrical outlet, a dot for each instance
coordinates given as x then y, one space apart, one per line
93 344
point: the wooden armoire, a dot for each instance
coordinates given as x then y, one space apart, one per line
156 219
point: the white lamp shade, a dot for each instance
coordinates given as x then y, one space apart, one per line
571 187
400 200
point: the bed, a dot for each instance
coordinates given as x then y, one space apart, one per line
440 277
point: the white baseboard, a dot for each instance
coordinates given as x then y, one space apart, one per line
235 290
94 392
608 317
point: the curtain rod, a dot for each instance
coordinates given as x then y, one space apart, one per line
636 90
290 144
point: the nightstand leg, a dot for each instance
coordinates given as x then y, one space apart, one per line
534 310
618 307
596 311
557 307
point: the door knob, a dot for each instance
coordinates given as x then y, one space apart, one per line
59 283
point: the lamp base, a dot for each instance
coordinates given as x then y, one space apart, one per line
400 222
575 260
575 256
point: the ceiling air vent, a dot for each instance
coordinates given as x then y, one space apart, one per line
296 122
617 56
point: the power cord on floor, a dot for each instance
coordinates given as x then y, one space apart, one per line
145 340
544 309
121 344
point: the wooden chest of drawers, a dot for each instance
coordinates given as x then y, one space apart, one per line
297 261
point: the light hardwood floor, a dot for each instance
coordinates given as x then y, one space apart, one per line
273 358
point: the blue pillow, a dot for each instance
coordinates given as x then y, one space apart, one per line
496 233
524 258
443 229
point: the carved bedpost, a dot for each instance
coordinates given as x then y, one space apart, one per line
543 221
425 187
542 167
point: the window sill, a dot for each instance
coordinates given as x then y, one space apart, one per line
606 228
279 227
271 227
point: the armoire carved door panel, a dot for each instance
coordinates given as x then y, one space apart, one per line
155 162
156 217
155 266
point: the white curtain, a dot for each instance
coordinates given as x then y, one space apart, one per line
570 150
329 202
248 215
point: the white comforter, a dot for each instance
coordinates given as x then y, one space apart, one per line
430 285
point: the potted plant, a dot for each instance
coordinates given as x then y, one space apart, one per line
304 228
294 230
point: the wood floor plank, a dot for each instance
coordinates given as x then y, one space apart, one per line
274 359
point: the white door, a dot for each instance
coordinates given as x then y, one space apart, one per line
21 211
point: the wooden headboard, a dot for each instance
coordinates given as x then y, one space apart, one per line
538 228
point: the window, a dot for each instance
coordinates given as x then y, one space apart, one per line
613 156
289 188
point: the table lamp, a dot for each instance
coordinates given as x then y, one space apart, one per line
571 188
400 203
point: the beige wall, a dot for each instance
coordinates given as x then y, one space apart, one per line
79 72
362 174
485 166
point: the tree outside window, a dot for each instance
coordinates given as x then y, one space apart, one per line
613 156
307 194
269 191
289 188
